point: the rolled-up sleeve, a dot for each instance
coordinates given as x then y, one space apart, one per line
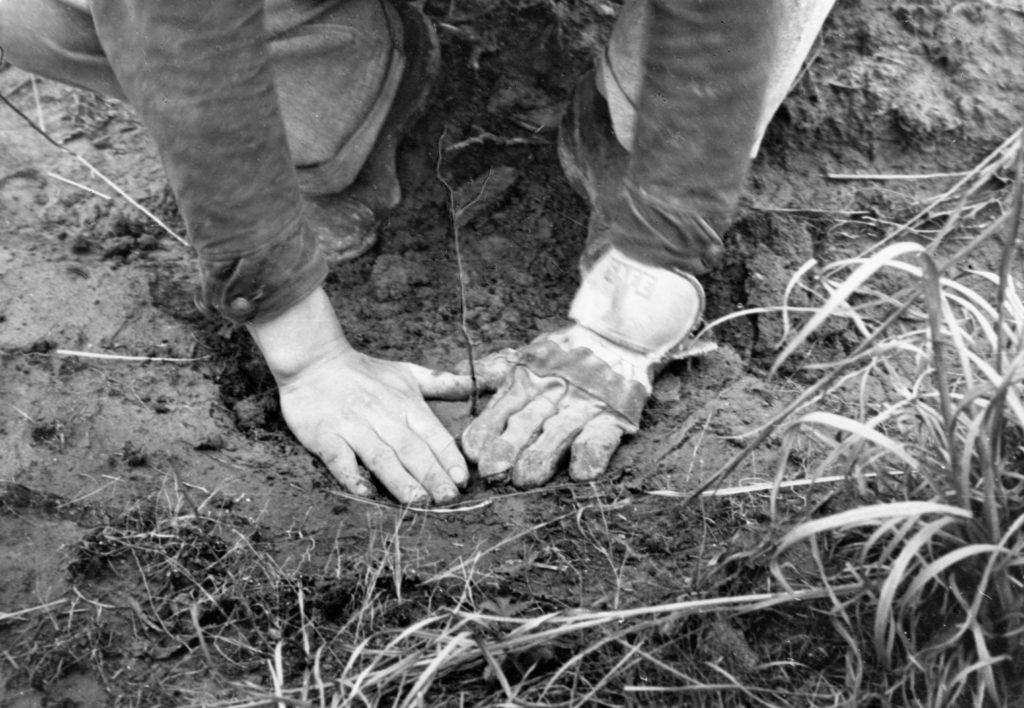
198 73
705 78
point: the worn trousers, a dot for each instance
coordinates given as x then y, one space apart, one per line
237 94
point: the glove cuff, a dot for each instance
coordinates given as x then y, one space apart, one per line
646 309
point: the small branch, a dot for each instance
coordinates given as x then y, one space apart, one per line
453 218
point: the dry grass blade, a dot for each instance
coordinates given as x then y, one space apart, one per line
867 515
971 182
895 176
1010 248
92 169
860 430
18 614
933 300
79 185
416 695
102 356
884 629
756 487
866 269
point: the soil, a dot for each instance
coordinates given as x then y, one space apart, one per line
906 87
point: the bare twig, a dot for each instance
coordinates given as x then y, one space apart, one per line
495 668
453 215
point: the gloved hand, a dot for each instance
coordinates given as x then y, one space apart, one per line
343 405
580 389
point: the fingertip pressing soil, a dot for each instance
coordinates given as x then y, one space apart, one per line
110 467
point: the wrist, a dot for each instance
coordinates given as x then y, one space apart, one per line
306 333
639 307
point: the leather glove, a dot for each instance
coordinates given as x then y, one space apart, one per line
578 390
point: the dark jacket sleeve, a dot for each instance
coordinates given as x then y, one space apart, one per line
198 73
705 79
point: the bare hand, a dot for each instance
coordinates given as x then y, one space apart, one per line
347 405
344 406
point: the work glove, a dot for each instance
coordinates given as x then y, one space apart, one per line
580 389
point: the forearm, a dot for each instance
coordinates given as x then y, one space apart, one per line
199 75
705 76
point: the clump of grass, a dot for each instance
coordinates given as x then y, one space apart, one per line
185 604
931 393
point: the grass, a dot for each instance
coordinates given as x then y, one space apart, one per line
935 386
211 618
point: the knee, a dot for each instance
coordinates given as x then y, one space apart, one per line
56 39
26 27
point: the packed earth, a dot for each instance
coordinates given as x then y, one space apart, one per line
165 541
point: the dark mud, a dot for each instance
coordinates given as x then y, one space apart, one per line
906 87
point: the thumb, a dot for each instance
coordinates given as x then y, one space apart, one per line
441 384
492 369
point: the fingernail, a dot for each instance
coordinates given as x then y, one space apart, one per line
364 490
446 494
497 459
589 462
460 475
495 479
417 497
531 470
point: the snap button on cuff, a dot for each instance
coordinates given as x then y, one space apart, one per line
241 307
201 305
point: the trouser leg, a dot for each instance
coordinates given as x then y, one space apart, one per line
689 88
336 65
796 24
